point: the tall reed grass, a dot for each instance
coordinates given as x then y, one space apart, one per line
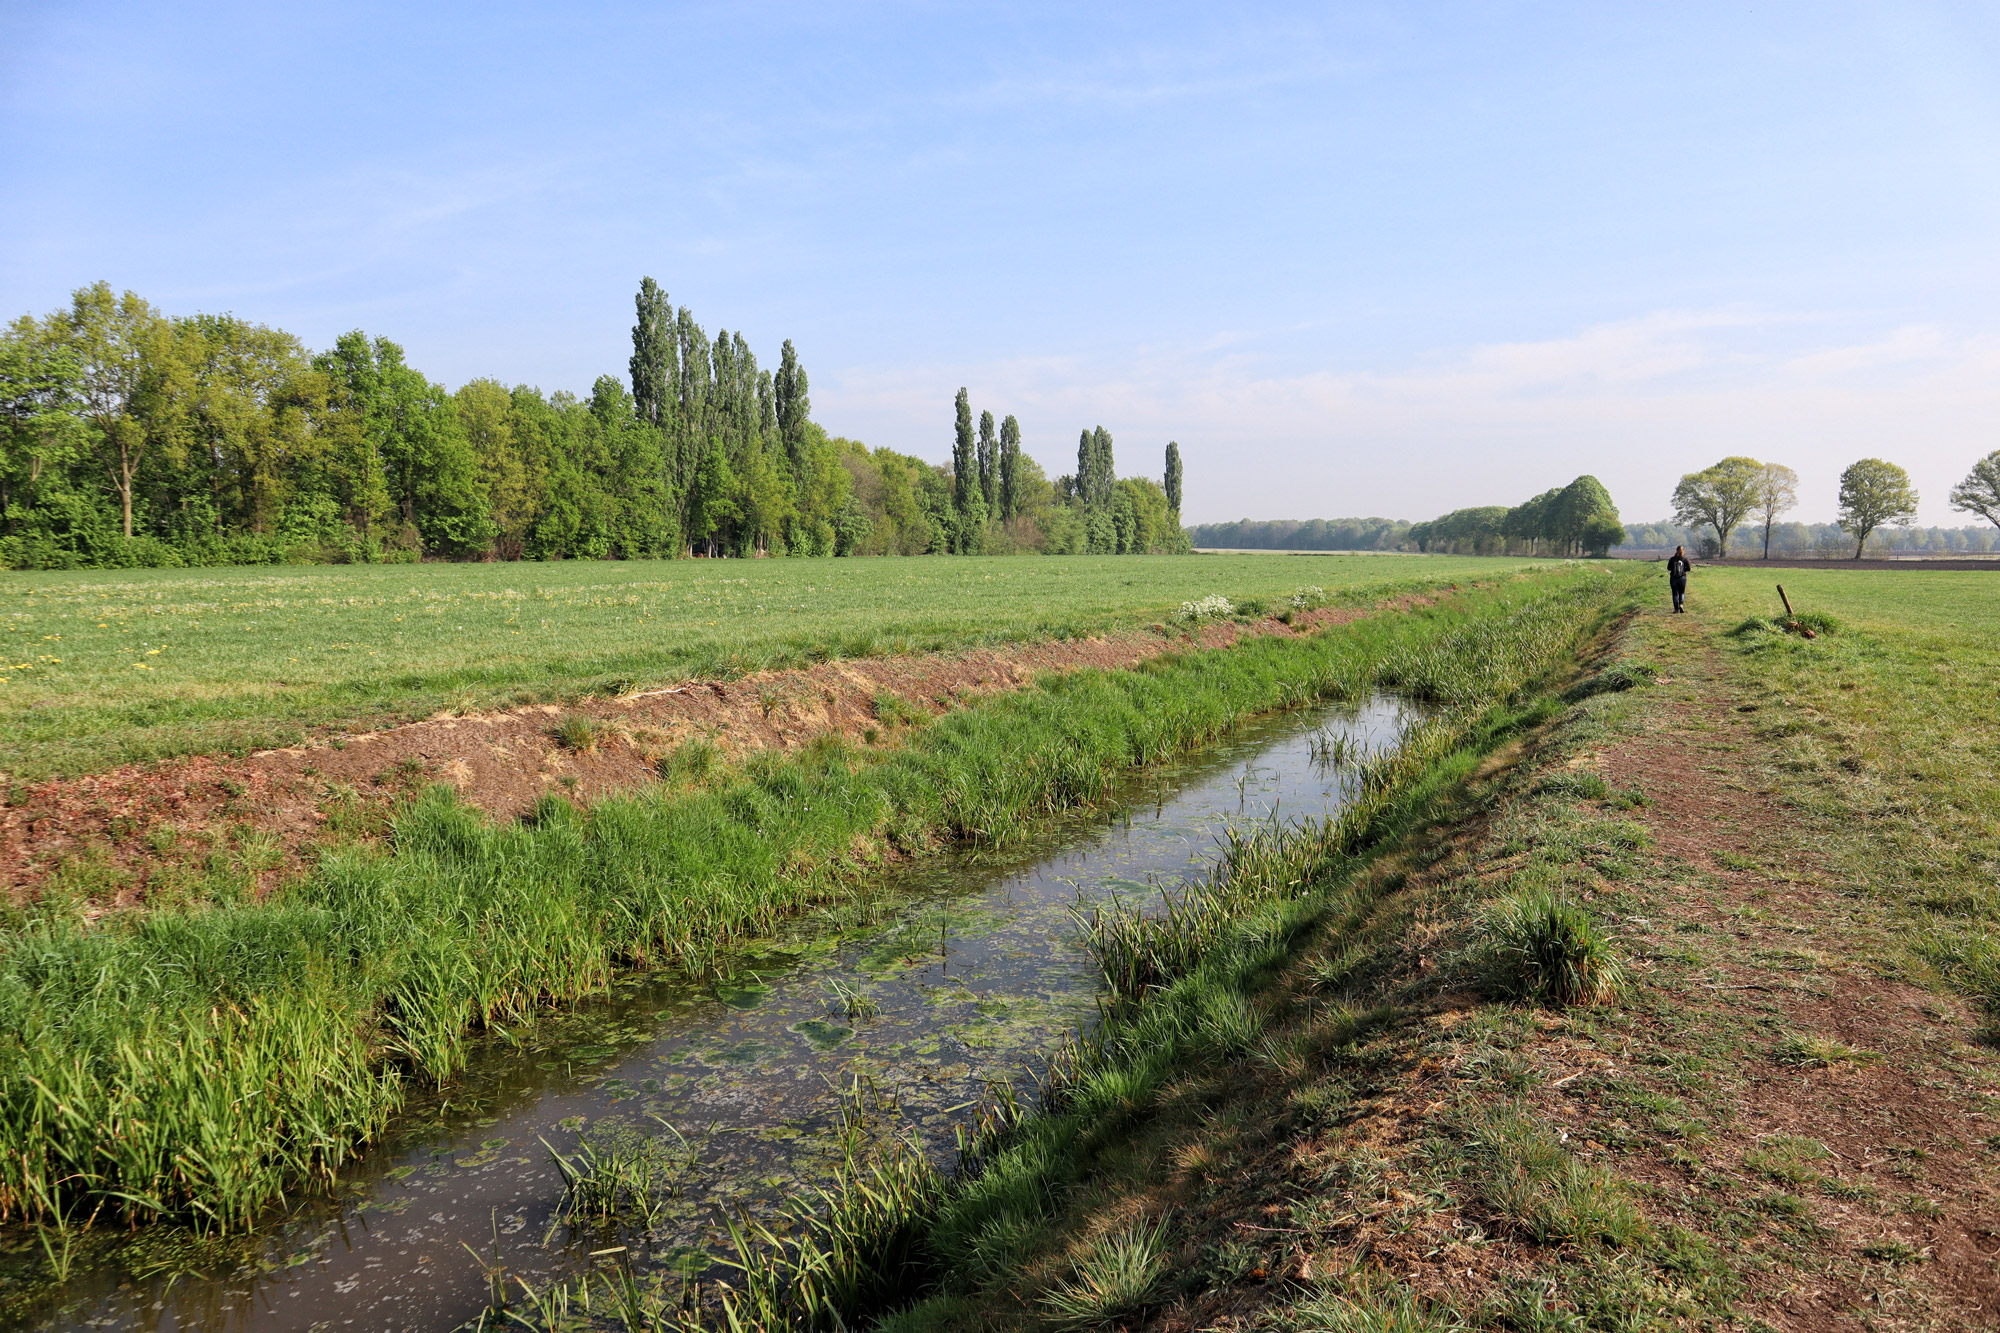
202 1061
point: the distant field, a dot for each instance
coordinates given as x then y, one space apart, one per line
103 668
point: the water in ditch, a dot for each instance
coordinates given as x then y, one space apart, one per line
948 975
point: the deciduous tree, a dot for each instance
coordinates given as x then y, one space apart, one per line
968 496
1874 492
1010 469
1979 493
654 352
1777 492
1719 497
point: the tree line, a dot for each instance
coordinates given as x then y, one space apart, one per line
1572 520
1792 539
1291 534
1874 494
135 438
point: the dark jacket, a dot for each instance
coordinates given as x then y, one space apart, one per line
1678 567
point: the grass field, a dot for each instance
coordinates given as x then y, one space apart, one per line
1890 729
101 669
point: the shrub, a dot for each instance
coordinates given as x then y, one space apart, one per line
1211 607
1546 948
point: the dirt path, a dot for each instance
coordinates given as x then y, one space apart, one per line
126 831
1855 1104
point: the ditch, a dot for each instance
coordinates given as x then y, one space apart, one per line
896 1012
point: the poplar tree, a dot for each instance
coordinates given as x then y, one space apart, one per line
653 354
1096 483
989 464
1010 468
794 407
967 495
1174 481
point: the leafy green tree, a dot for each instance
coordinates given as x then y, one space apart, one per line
1532 522
40 429
511 483
794 407
655 352
1719 497
968 490
1096 482
1010 469
1979 493
1174 480
108 338
936 499
712 511
1478 531
410 428
1583 520
989 465
1874 492
1777 491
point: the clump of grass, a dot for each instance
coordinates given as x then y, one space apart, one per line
852 1249
1394 1309
1809 624
854 1003
622 1177
577 734
1892 1252
1576 784
1811 1052
1117 1276
1538 1185
1308 598
1786 1158
1546 948
894 710
690 761
1614 679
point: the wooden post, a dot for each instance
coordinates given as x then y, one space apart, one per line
1787 601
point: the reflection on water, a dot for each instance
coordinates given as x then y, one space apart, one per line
955 972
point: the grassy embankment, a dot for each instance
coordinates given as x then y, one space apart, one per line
108 668
1649 1010
200 1060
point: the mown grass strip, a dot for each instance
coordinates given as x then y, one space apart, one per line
198 1062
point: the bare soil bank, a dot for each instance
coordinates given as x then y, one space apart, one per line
130 823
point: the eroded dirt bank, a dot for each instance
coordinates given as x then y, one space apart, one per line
116 833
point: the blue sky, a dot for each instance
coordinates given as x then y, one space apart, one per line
1357 259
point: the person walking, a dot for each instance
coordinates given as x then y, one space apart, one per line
1678 566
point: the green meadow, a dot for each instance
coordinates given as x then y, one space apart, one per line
102 668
